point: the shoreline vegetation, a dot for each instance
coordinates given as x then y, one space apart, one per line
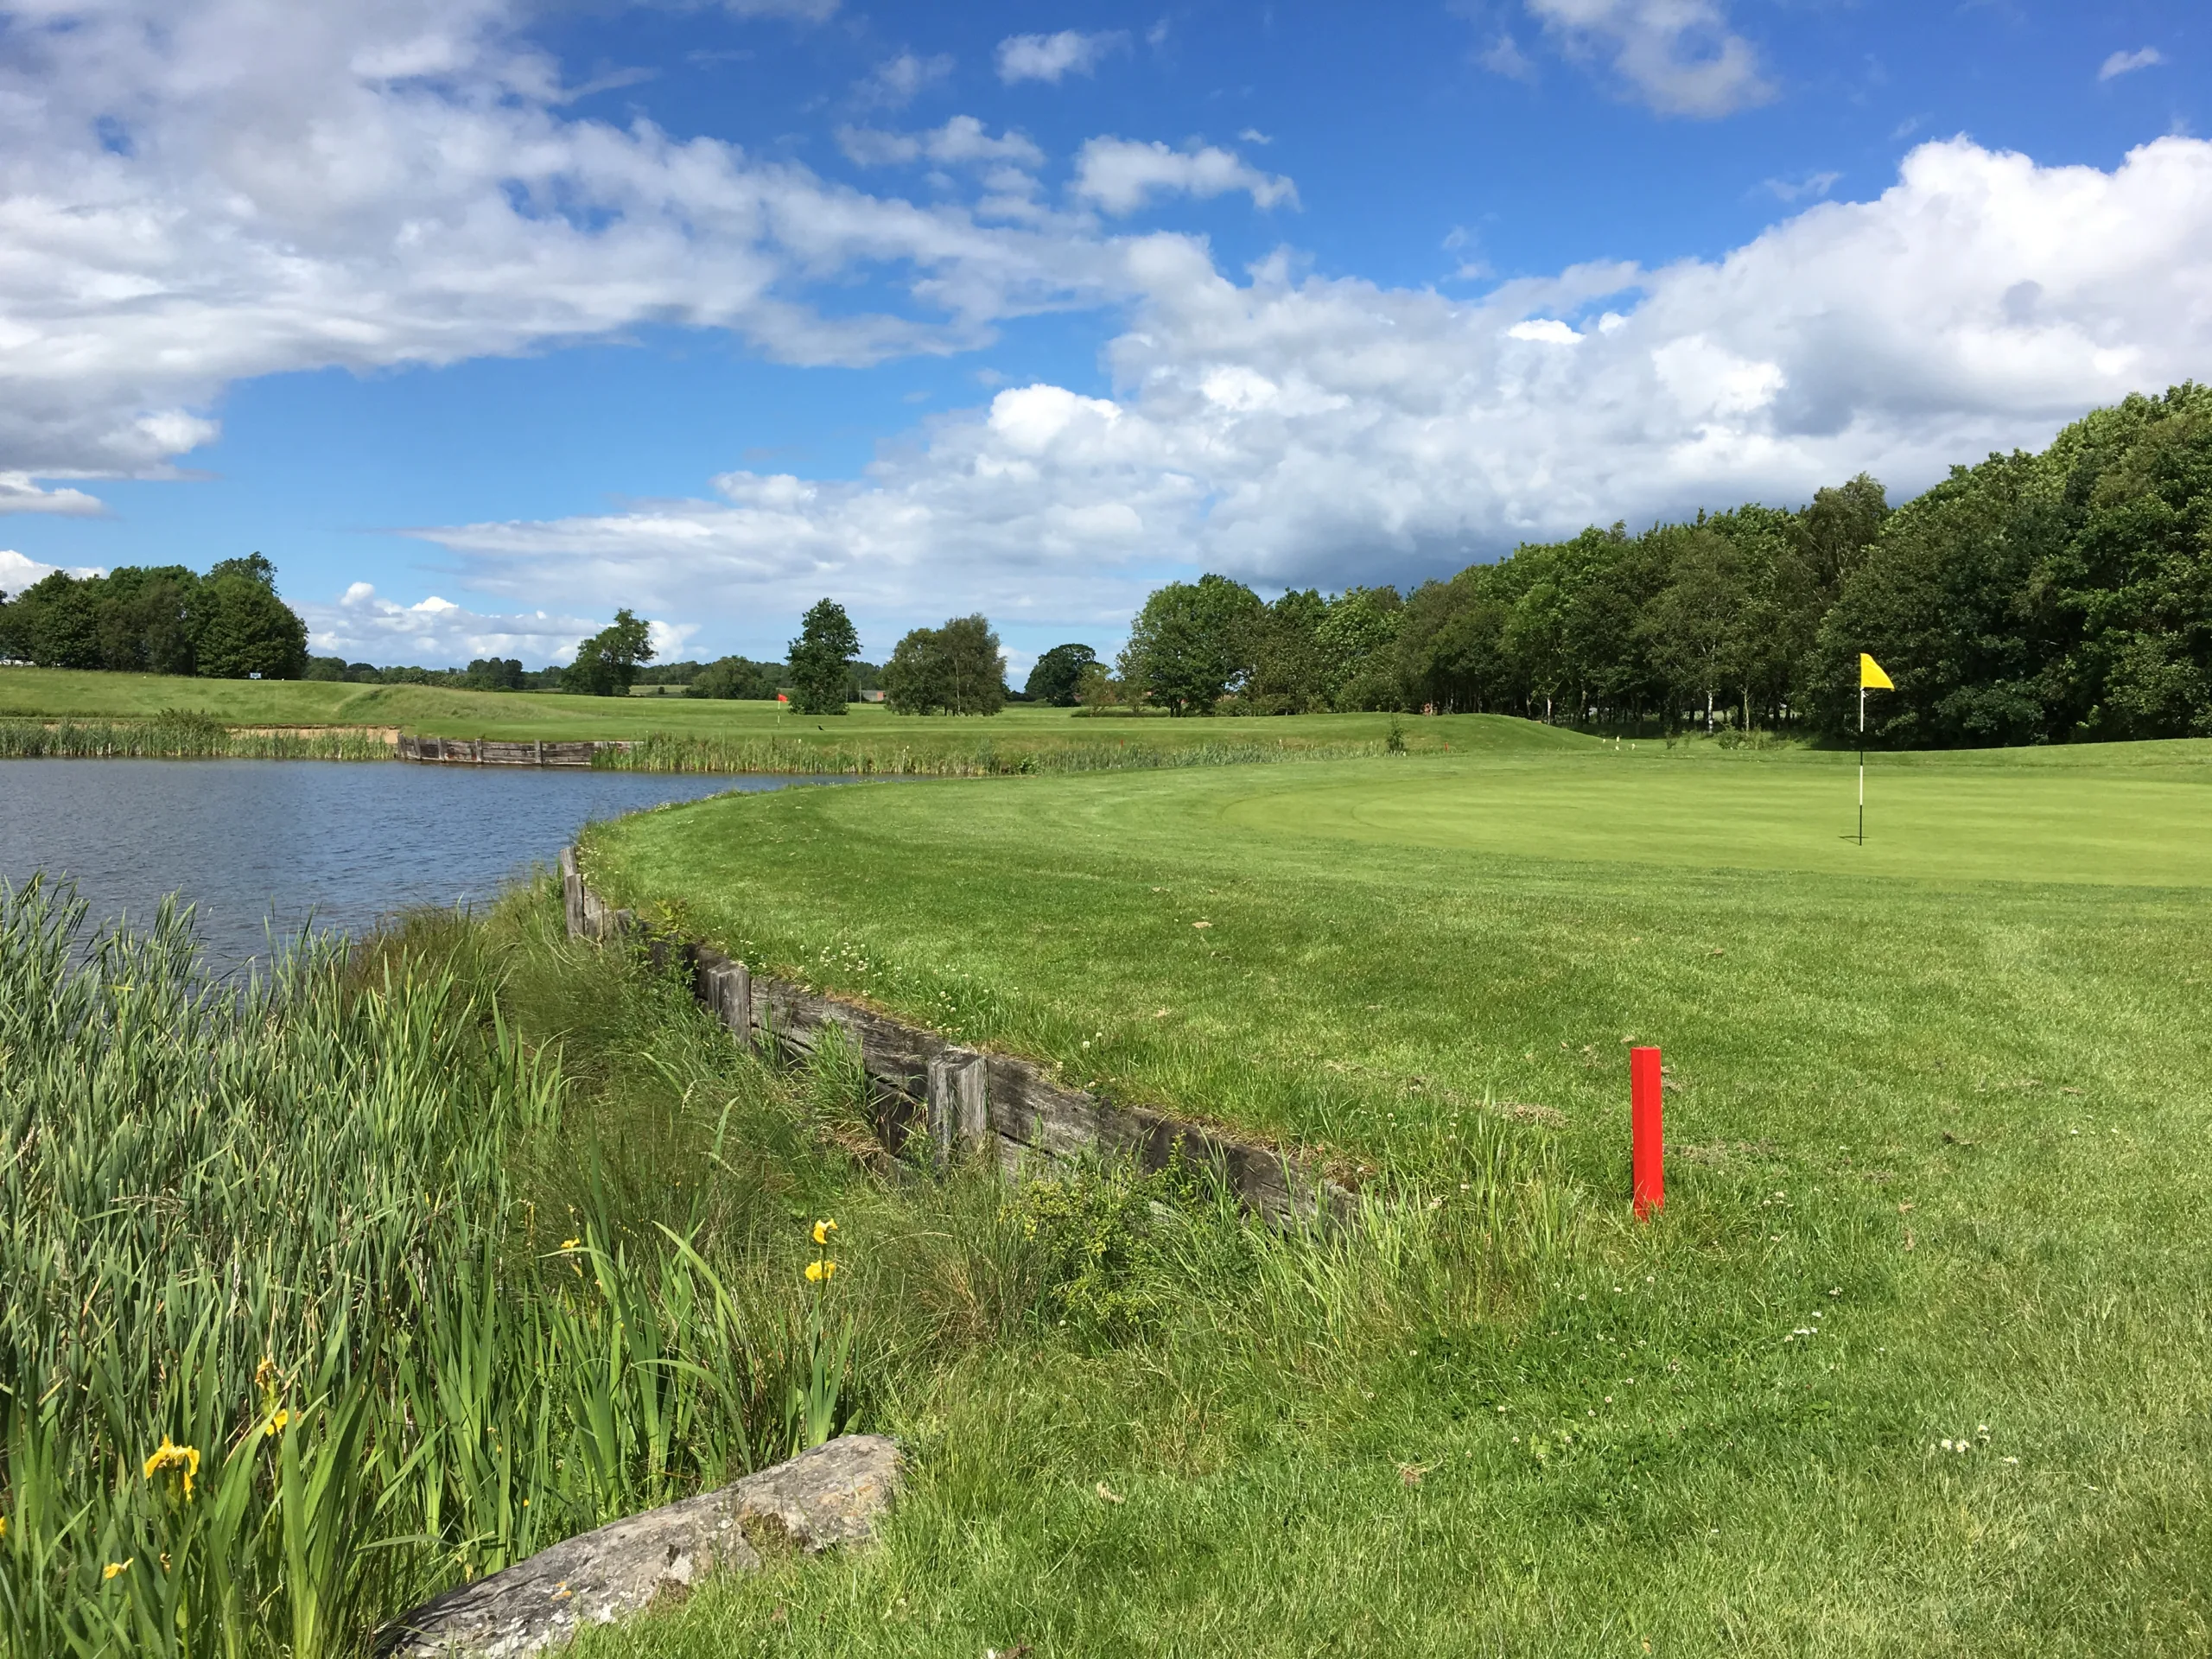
463 1238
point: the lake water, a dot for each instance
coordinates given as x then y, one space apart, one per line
256 845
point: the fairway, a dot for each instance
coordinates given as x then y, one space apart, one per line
2148 825
1916 1358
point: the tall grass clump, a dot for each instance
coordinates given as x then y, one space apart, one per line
984 757
179 734
284 1348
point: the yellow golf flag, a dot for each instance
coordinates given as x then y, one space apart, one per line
1871 677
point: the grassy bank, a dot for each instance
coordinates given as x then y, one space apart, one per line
52 707
326 1295
1916 1360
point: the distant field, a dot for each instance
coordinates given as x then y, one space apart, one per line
716 736
1940 1110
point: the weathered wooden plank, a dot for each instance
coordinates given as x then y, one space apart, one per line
959 1099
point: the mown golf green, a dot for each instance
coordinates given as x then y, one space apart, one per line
1918 1359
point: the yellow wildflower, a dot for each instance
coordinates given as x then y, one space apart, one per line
183 1459
818 1271
823 1229
276 1423
3 1526
114 1567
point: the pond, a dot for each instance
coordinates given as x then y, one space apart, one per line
264 848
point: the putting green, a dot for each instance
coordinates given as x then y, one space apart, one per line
2149 827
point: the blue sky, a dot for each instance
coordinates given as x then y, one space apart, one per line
481 319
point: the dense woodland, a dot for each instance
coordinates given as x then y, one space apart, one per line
2030 599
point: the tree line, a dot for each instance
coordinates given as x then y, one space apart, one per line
2051 597
226 624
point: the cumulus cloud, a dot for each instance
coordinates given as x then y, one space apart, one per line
363 626
1051 57
21 492
1289 430
1678 56
2125 63
1121 174
379 182
18 572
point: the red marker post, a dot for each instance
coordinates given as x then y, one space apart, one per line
1647 1141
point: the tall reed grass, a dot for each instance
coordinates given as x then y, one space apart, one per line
179 734
286 1348
979 758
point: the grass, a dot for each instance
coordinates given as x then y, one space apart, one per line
437 1249
1917 1360
679 735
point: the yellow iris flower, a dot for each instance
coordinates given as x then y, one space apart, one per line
823 1229
184 1459
818 1271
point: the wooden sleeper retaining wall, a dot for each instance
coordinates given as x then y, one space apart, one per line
492 752
963 1101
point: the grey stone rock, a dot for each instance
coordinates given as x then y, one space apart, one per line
832 1495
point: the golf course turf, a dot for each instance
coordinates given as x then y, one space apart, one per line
1917 1359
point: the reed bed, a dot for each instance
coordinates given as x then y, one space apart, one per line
179 734
982 757
287 1347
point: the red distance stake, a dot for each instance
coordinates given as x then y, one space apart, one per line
1646 1143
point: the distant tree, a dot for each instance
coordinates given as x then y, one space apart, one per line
954 669
494 674
324 668
145 619
241 628
1355 641
1099 690
1191 643
1288 674
607 662
738 677
54 623
827 642
1056 675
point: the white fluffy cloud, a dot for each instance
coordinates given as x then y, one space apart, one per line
1051 57
1121 176
18 572
21 492
363 625
390 181
1290 431
1678 56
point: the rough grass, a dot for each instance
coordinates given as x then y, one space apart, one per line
1917 1360
678 734
520 1235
